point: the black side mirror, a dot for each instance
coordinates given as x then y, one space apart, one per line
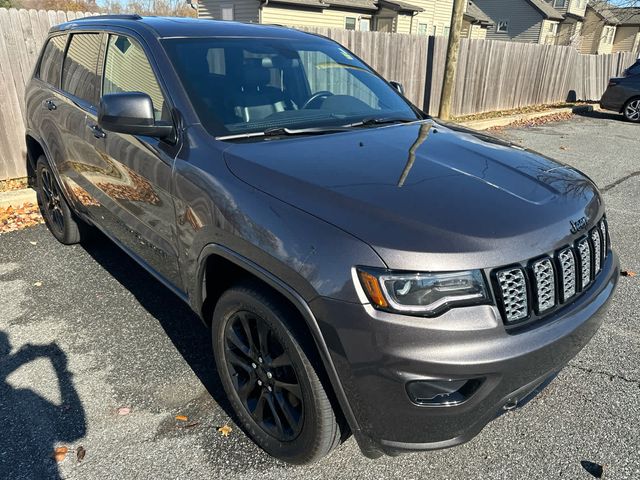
131 113
398 86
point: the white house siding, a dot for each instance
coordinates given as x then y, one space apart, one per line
243 10
625 39
591 32
299 17
577 7
549 32
437 13
405 24
525 21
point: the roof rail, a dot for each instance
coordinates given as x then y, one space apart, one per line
133 16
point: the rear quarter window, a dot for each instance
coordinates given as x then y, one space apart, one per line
79 71
51 64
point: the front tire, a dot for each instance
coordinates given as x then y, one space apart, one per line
272 377
54 207
631 110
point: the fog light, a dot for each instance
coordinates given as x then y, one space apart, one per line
442 392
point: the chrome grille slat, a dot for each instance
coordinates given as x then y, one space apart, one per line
568 275
584 252
513 287
597 250
545 284
552 281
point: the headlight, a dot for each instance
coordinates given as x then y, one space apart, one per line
423 293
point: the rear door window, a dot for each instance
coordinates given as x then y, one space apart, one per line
127 69
79 76
51 64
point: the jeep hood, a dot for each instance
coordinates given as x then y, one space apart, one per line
423 195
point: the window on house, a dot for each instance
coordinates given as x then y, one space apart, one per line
553 28
226 12
365 24
423 29
502 26
559 3
350 23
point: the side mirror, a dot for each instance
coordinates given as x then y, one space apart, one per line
398 86
131 113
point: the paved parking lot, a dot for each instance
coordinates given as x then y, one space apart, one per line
84 332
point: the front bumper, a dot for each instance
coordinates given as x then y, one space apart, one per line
377 353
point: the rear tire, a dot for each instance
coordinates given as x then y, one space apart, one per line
269 370
54 207
631 110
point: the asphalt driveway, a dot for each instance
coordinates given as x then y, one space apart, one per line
85 333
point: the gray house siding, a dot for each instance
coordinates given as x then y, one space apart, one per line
524 20
243 10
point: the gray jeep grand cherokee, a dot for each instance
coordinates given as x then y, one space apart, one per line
365 269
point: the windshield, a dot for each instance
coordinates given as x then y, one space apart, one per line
246 85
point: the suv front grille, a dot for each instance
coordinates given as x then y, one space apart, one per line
547 282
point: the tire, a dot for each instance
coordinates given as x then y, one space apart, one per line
631 110
55 210
275 348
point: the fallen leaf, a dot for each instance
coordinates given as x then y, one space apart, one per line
225 430
628 273
592 468
564 148
80 453
124 411
37 284
60 453
33 243
182 418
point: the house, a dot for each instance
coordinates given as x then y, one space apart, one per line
570 29
528 21
475 22
420 17
627 37
599 28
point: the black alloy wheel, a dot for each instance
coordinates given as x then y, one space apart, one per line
263 376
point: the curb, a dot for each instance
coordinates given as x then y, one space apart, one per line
506 121
16 198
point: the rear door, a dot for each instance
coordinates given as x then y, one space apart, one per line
135 181
80 85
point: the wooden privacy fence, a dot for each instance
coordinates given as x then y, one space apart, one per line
22 33
492 75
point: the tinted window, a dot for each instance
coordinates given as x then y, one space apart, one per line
79 71
127 69
51 64
244 85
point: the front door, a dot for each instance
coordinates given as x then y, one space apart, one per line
135 183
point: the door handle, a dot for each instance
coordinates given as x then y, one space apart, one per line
50 105
97 131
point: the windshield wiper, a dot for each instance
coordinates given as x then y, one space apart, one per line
369 122
284 131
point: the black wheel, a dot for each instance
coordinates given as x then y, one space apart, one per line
53 206
272 377
631 110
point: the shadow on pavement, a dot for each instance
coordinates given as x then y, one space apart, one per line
600 115
185 329
33 426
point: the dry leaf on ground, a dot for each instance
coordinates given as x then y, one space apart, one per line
225 430
628 273
60 453
17 218
124 411
80 453
182 418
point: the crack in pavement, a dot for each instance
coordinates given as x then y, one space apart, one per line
606 188
610 375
